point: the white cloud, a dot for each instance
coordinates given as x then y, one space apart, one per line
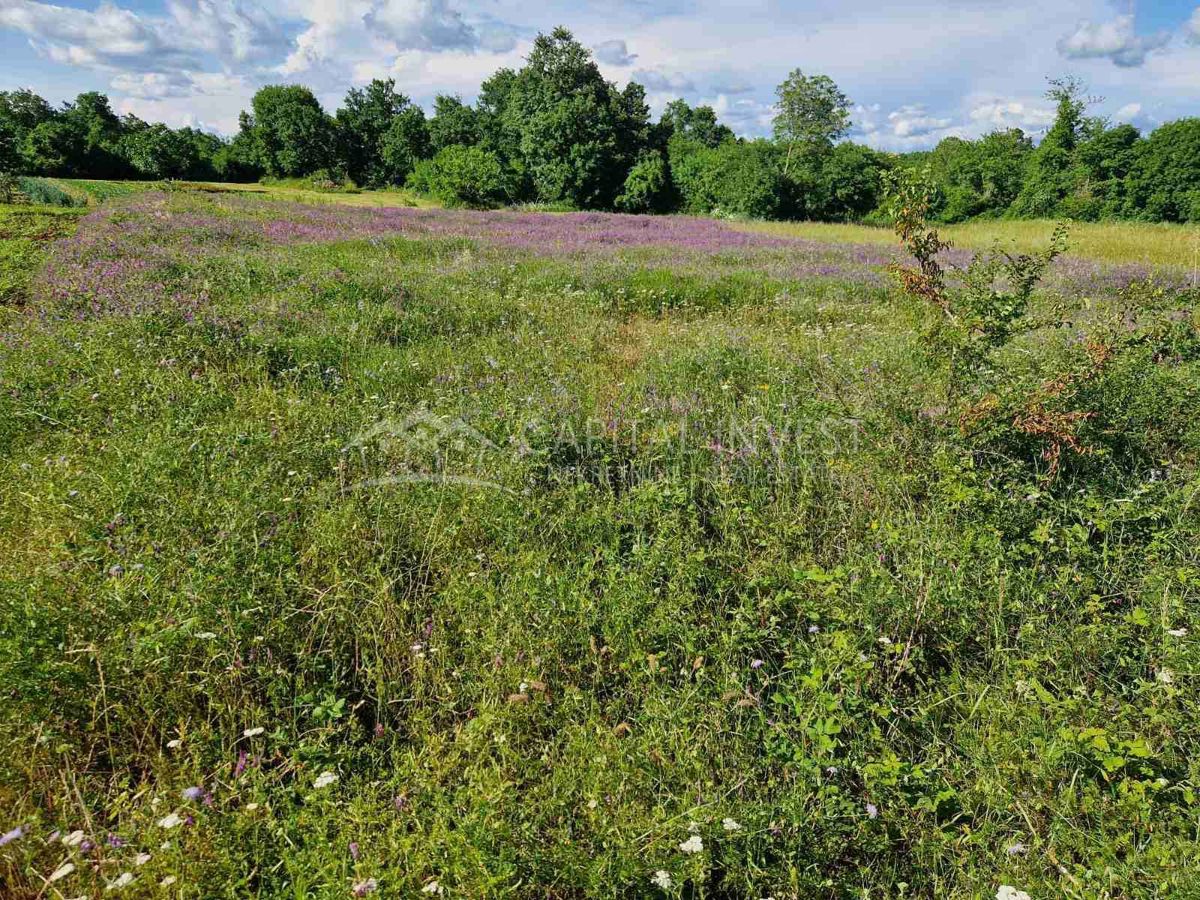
914 121
153 85
1128 112
746 116
977 66
231 30
999 113
328 23
614 53
1116 40
111 38
664 82
422 25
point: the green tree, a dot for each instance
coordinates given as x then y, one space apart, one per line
698 124
1164 181
25 109
156 151
979 178
291 134
10 150
576 131
54 147
237 160
812 114
453 123
1104 158
1052 174
362 126
405 144
846 184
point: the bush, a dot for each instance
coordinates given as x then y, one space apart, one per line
648 186
737 179
461 176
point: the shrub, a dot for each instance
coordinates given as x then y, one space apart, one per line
461 176
987 307
648 187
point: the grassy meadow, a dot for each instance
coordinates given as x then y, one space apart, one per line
365 549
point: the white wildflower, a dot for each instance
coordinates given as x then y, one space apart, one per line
1008 892
170 821
206 635
592 804
432 888
253 732
141 859
123 880
731 824
251 807
1165 676
325 779
661 879
694 844
74 839
61 872
1177 632
168 881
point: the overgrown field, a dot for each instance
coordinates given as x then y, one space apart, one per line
412 552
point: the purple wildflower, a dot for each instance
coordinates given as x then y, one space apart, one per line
757 664
10 836
240 766
872 811
193 793
115 841
354 850
362 888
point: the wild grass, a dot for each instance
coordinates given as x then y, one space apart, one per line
1155 244
396 555
25 232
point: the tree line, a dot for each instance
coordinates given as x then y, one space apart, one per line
556 132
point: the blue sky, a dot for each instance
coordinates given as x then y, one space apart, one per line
916 71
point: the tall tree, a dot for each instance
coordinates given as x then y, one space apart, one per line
453 123
812 114
362 125
572 124
1164 184
405 144
292 136
1052 174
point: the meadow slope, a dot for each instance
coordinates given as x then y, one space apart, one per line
408 552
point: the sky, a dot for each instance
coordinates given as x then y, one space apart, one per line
916 71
